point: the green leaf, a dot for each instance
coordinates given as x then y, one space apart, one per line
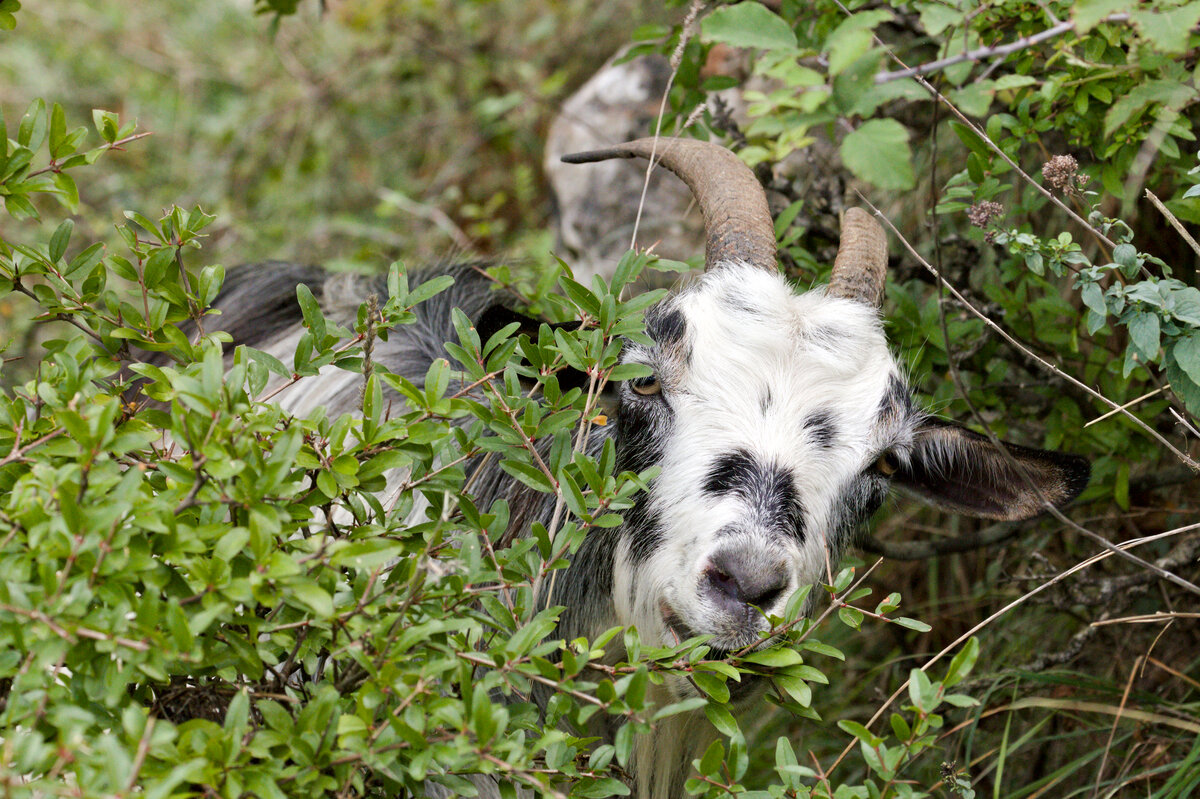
1125 255
1169 93
1093 297
912 624
32 130
713 757
1184 387
58 242
528 636
529 475
1186 353
1186 305
1144 334
596 789
775 657
963 662
747 25
311 311
1088 13
106 124
675 708
429 288
85 260
1035 263
851 39
936 17
851 617
860 732
722 719
68 191
823 649
19 207
921 691
711 685
312 595
58 131
796 688
1168 31
878 153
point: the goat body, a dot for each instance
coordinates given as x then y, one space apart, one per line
779 421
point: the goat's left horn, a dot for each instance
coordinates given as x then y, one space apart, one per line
861 263
736 218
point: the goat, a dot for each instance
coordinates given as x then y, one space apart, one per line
779 421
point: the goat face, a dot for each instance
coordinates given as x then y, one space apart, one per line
779 420
765 413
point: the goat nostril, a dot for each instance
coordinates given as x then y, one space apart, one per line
740 585
725 584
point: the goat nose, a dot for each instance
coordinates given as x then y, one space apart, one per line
737 578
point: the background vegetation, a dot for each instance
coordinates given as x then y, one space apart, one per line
165 626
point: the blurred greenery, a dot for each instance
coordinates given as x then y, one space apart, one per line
300 136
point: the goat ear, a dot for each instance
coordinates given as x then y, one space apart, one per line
955 468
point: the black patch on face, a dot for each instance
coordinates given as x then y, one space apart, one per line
643 530
642 429
731 472
765 403
822 428
896 400
641 432
859 501
666 326
769 491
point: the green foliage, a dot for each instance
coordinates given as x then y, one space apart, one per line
204 594
334 137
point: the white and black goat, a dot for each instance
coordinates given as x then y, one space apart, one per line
779 421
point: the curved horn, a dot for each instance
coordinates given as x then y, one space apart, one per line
861 263
733 203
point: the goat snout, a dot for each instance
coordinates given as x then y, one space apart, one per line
736 579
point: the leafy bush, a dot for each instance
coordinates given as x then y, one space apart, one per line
202 593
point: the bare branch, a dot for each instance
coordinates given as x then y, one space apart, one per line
987 53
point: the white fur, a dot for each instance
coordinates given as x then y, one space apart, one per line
749 333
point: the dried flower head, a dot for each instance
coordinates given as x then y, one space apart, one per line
1062 172
982 214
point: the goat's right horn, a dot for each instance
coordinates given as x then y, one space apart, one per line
861 263
736 218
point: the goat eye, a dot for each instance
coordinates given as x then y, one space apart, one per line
887 464
646 386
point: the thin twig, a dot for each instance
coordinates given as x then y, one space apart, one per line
685 34
1147 618
18 453
1112 733
1187 425
983 53
1174 222
53 166
140 758
1126 406
1192 464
